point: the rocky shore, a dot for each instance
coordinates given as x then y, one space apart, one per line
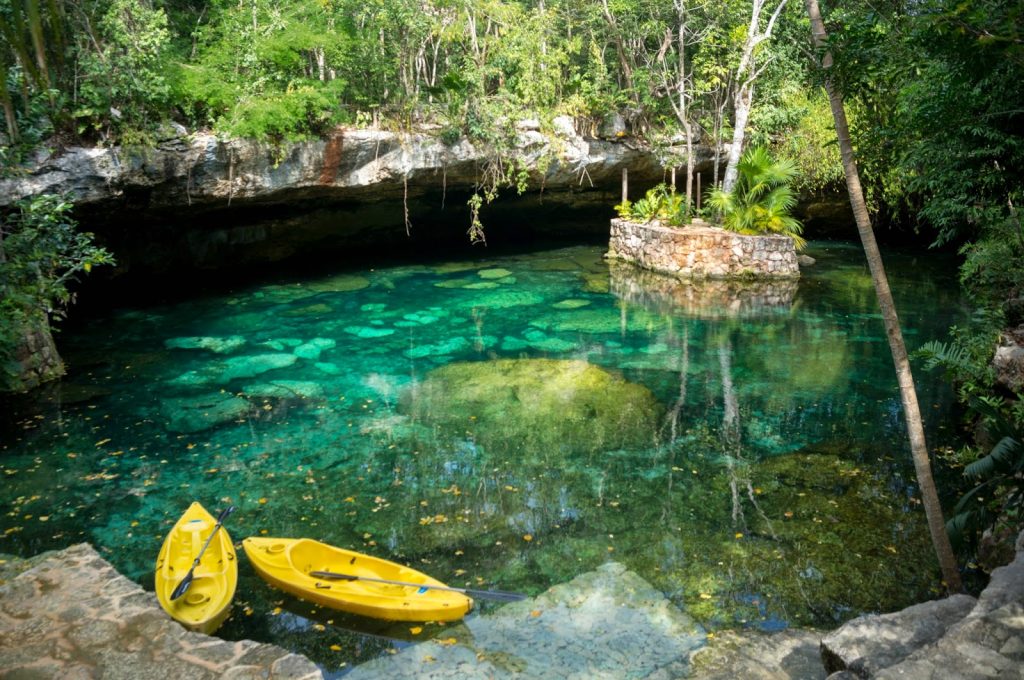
69 614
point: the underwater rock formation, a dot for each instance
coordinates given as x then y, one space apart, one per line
574 406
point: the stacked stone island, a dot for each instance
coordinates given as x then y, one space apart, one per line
700 251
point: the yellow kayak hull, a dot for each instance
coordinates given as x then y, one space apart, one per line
287 562
207 603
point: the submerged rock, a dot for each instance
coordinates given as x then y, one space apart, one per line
342 283
286 389
608 623
571 304
368 331
313 348
450 346
496 273
753 655
217 345
223 372
550 406
195 414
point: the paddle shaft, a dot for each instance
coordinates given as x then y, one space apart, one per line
187 581
491 594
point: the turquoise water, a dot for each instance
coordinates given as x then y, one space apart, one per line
506 422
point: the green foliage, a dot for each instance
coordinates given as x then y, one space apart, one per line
659 203
998 475
123 90
799 126
41 254
762 199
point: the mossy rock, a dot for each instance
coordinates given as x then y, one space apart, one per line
217 345
503 299
187 415
571 303
597 321
343 283
545 405
319 309
222 372
496 273
285 389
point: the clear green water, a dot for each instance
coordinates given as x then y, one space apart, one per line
507 422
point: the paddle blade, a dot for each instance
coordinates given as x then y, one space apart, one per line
183 586
496 595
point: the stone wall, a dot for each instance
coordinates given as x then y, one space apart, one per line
700 251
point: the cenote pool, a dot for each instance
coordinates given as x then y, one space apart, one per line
506 422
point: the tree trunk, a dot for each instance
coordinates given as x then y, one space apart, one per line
908 394
741 105
746 74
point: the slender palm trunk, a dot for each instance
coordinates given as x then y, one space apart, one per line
908 394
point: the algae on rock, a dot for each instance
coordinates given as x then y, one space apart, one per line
574 406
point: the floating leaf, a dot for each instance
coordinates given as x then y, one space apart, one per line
416 630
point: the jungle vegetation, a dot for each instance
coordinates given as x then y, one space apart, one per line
931 89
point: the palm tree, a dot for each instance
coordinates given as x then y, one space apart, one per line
761 200
908 394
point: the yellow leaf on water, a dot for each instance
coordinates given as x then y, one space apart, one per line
350 499
535 613
891 548
276 611
416 630
705 596
319 627
428 659
738 535
263 501
102 442
527 537
447 642
335 648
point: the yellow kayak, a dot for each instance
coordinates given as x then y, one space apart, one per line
287 562
207 602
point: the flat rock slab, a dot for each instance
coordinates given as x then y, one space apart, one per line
751 655
870 643
71 615
958 638
608 623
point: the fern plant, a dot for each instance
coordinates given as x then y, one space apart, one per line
998 476
659 203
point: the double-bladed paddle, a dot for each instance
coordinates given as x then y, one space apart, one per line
499 595
187 581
